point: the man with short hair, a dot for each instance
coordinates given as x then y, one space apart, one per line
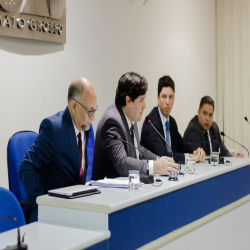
204 131
114 158
62 154
167 127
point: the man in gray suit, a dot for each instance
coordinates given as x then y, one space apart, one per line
203 132
114 158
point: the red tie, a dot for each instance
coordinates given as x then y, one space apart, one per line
79 136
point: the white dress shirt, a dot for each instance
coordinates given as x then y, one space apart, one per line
83 144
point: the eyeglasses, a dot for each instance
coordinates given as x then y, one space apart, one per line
90 112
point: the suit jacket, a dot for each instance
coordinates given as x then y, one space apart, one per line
152 141
53 159
194 133
112 157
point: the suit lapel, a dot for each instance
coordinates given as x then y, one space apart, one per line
73 145
198 126
172 133
137 139
131 150
205 145
158 123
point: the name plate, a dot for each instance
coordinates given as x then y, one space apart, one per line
34 19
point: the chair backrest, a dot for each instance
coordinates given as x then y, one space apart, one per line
18 145
9 207
90 152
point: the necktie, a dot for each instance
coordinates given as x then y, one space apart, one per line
132 137
132 133
79 136
167 135
207 144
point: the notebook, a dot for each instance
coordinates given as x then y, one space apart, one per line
74 191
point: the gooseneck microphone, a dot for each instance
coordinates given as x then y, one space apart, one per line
247 120
19 246
149 122
146 179
119 138
223 134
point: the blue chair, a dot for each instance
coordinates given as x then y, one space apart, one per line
10 207
18 145
90 151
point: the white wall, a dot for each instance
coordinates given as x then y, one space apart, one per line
106 38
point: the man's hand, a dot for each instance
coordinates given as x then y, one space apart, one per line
197 157
239 155
165 165
199 154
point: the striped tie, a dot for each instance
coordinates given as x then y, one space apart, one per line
167 135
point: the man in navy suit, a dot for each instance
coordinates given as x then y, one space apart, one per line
62 154
167 127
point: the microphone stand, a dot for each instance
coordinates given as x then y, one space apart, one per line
146 179
223 134
172 175
149 122
19 246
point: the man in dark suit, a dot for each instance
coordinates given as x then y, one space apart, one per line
204 132
62 154
167 127
112 157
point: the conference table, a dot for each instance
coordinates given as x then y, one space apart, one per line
159 217
44 236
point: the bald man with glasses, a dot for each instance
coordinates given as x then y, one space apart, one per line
62 154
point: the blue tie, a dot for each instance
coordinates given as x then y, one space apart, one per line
167 135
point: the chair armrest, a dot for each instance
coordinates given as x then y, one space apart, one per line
25 203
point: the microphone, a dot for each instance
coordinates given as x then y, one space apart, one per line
19 246
247 120
223 134
146 179
149 122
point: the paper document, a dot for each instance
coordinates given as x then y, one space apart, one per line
113 183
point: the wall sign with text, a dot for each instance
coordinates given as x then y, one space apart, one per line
34 19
